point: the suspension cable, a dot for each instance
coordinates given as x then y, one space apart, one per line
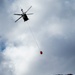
33 36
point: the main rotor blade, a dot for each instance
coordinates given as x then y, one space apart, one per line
30 14
28 9
18 14
18 19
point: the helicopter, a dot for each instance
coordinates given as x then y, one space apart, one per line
24 15
25 18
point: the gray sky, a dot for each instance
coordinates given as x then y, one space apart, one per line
53 27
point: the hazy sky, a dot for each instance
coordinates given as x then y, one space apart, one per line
53 28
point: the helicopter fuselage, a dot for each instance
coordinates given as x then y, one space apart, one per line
25 17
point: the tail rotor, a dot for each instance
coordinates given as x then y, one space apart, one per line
22 10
